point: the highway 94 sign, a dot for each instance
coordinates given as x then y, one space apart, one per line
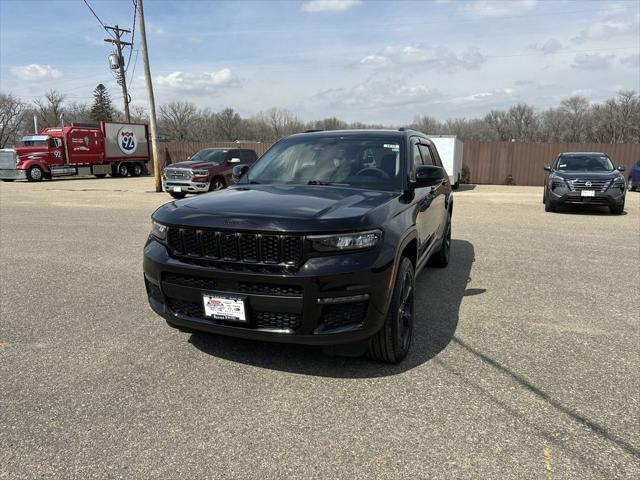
127 140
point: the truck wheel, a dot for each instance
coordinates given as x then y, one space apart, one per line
123 169
217 183
35 174
177 194
391 343
440 259
135 170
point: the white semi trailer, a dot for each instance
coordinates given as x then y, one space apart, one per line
450 150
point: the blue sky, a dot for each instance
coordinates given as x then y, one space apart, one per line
369 61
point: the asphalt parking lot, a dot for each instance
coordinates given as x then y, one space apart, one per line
525 363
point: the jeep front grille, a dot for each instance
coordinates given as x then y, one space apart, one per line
235 247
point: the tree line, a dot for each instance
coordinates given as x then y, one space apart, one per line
575 120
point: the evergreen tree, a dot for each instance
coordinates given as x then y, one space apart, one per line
102 108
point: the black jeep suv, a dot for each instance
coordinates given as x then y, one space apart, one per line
586 178
318 243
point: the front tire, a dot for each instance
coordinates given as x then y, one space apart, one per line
618 209
549 206
391 343
217 183
177 195
35 174
630 185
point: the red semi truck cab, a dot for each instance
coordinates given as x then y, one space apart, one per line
118 149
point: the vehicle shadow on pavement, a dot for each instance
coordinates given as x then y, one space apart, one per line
439 293
587 210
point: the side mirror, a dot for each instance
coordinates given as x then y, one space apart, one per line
621 168
547 168
188 158
238 171
234 160
428 176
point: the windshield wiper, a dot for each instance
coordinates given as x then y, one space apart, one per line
320 182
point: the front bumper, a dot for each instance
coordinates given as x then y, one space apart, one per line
185 186
612 197
281 306
13 174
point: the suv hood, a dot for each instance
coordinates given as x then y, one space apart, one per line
290 208
572 175
191 164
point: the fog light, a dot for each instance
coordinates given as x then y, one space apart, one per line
352 298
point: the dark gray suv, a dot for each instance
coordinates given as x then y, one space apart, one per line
586 178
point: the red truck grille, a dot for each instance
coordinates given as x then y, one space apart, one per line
235 247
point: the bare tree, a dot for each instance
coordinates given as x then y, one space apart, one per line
50 108
576 110
281 121
551 126
426 124
228 124
498 122
522 122
12 113
177 119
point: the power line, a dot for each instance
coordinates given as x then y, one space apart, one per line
97 17
133 35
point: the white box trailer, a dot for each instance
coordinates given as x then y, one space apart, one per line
450 150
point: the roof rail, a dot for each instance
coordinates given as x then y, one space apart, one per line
314 130
403 129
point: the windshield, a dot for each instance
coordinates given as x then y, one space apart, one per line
354 162
209 155
585 163
35 143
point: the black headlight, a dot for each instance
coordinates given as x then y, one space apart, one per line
159 230
345 241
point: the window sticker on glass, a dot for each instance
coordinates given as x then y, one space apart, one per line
563 165
392 146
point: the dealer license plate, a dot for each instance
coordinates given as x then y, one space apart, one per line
588 193
177 189
224 308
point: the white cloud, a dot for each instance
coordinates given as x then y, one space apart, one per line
35 72
498 8
154 29
375 92
329 5
608 29
484 97
198 81
550 46
431 57
591 61
632 60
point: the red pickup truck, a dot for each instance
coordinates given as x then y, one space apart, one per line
208 170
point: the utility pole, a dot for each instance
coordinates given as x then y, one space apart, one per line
152 102
122 81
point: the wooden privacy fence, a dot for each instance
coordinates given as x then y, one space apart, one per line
488 162
494 162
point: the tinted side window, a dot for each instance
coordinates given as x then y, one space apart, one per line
415 152
426 155
247 156
435 155
233 154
